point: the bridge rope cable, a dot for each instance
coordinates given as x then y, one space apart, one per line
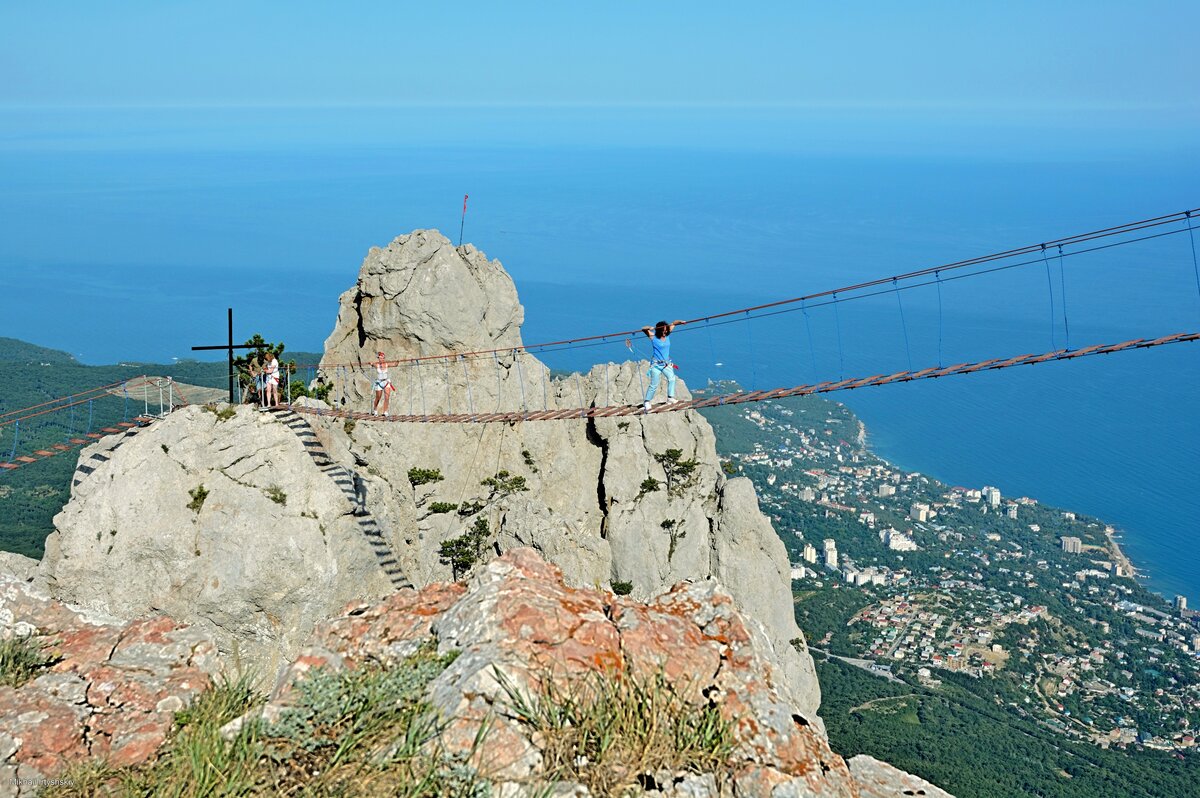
830 297
79 399
915 286
932 372
753 311
98 388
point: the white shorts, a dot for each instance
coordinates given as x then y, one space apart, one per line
382 385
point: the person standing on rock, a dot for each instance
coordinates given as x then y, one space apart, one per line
271 380
253 390
660 360
383 386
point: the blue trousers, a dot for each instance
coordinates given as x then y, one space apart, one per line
655 374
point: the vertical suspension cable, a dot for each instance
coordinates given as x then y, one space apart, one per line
16 436
837 320
467 377
938 279
1062 284
521 380
637 366
712 349
812 352
1195 263
903 323
545 393
496 358
449 402
89 426
607 392
409 383
579 391
421 380
125 390
750 337
1050 288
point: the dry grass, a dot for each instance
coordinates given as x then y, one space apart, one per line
614 731
367 732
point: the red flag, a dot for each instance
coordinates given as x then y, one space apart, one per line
464 204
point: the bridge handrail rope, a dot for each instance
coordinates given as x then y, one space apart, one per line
44 409
741 397
1029 249
60 398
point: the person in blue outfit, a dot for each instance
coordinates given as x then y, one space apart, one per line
660 360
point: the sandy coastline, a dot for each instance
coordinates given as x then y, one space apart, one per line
1118 554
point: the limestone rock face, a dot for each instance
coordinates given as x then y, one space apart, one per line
640 499
877 779
111 689
517 624
225 523
18 565
587 507
419 296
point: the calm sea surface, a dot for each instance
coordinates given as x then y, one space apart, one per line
126 234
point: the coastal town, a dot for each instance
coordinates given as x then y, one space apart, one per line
919 581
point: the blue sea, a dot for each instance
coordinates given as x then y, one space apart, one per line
127 232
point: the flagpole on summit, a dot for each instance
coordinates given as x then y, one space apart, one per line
462 223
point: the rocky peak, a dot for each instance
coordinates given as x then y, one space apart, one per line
421 296
277 544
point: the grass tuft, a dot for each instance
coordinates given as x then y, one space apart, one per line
367 731
21 659
610 730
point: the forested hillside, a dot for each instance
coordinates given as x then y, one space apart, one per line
30 496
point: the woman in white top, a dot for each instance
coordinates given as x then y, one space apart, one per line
271 377
383 386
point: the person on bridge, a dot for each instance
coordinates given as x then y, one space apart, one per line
383 386
660 360
271 380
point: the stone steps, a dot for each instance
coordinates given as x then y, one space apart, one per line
85 467
343 478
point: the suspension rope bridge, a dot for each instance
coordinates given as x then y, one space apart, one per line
426 375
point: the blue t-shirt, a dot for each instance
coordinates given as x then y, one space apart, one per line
660 349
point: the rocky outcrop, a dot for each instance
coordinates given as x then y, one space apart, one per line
588 508
641 499
109 689
217 519
419 296
517 626
877 779
18 565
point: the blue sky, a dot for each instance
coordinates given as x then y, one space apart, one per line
1003 59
